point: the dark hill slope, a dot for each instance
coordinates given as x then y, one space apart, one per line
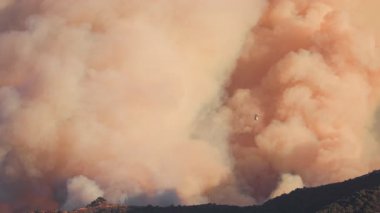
361 194
367 200
314 199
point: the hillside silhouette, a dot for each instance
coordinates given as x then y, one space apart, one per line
361 194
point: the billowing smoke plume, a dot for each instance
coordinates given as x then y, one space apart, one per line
120 92
288 183
314 79
154 101
80 192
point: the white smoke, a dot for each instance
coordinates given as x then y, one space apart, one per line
80 192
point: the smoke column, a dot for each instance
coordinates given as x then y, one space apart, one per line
154 101
314 79
114 97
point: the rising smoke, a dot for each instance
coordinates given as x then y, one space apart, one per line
314 78
153 101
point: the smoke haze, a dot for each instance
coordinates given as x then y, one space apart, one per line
154 102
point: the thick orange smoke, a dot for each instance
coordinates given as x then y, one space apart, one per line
154 101
115 98
314 79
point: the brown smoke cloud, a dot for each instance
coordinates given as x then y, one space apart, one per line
115 98
153 102
313 78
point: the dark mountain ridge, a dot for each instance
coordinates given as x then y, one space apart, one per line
316 198
361 194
